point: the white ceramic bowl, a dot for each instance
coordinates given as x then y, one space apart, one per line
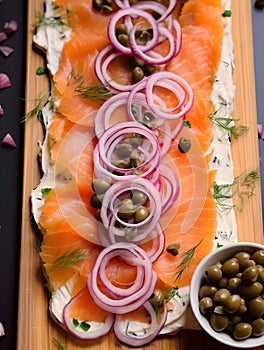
220 254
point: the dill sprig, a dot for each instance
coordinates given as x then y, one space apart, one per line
52 21
59 345
39 102
187 258
231 125
69 259
96 92
240 190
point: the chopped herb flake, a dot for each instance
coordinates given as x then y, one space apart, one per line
40 70
85 326
46 191
75 322
227 13
59 345
187 123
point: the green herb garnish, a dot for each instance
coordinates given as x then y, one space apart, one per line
83 325
40 70
52 21
187 258
235 129
242 188
69 259
46 191
187 123
96 92
39 102
75 322
59 345
219 245
227 13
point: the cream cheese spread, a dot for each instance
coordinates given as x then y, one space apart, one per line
51 40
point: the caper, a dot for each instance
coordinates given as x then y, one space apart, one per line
242 330
124 150
213 274
123 39
121 29
230 267
137 62
135 111
131 233
205 305
98 215
219 322
184 144
138 197
143 35
223 282
258 257
108 2
221 295
256 307
148 119
157 298
134 159
96 201
233 284
251 291
136 140
258 327
137 74
250 275
149 69
97 4
122 164
232 303
141 214
126 210
107 9
173 249
100 186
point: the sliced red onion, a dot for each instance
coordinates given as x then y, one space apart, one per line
2 330
158 243
6 50
122 4
96 330
4 81
171 187
9 141
2 112
134 13
3 36
169 10
10 27
127 335
115 302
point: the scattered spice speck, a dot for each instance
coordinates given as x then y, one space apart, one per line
4 81
8 140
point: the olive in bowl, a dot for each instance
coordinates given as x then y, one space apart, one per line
227 294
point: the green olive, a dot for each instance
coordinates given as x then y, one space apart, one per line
97 4
173 249
250 275
250 291
124 150
123 39
219 322
232 303
138 197
137 74
185 144
258 257
233 284
121 29
96 201
242 308
221 295
260 273
205 305
223 282
230 267
242 331
213 274
141 214
258 327
126 210
100 186
256 307
242 258
235 319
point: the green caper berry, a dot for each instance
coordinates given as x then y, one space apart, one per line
97 4
121 29
141 214
173 249
123 39
107 9
184 144
137 74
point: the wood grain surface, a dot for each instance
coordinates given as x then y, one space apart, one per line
36 330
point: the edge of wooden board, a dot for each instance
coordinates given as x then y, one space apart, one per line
36 330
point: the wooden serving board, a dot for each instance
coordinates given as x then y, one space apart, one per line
36 330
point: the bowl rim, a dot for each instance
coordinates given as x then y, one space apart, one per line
220 254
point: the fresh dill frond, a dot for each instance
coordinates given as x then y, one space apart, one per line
231 125
39 103
69 259
58 344
187 258
52 21
96 92
240 190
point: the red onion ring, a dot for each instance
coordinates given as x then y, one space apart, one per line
99 331
121 327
